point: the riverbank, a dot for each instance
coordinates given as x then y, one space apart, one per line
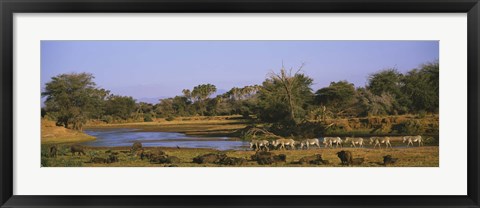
214 126
52 134
427 156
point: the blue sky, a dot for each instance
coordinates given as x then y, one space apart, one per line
148 70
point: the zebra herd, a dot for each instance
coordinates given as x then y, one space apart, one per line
329 142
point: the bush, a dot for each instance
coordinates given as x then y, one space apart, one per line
170 118
107 119
409 127
422 114
147 118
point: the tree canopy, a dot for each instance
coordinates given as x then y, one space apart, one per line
74 98
285 95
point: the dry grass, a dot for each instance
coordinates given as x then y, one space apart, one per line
408 157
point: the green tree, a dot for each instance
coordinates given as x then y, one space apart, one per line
338 97
369 104
73 98
120 106
165 108
200 94
180 105
203 91
390 82
187 94
422 88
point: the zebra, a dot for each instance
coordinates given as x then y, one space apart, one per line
308 142
259 144
412 139
354 141
282 142
329 141
379 141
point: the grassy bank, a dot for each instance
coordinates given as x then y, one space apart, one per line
427 156
52 134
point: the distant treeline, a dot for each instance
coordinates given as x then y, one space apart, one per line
285 97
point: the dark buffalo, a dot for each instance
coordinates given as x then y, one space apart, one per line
162 159
313 160
388 160
173 159
209 158
345 157
77 148
112 158
146 155
53 151
268 158
233 161
153 158
357 161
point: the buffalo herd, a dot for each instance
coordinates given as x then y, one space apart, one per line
262 156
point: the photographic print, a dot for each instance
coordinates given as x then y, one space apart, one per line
308 103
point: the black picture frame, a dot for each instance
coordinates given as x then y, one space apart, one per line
9 7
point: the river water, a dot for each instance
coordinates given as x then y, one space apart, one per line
126 137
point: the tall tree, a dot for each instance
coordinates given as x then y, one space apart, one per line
188 94
73 99
201 93
290 87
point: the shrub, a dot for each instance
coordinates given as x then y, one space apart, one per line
422 114
107 119
409 127
170 118
147 118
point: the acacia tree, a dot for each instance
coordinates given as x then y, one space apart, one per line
73 98
187 94
201 93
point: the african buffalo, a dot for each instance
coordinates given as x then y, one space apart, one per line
345 157
77 148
